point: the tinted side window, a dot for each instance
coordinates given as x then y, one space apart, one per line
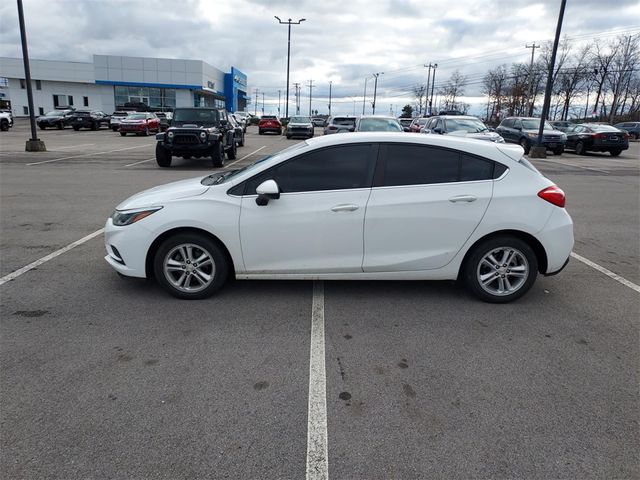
418 164
336 168
474 168
517 123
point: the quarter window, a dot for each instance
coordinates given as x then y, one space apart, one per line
419 165
474 168
334 168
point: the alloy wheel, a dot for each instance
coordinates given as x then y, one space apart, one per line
502 271
189 268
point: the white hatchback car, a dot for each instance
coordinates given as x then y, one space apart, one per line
374 206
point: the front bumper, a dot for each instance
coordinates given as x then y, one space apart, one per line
131 246
133 128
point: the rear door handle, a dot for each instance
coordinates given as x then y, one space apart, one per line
344 208
463 198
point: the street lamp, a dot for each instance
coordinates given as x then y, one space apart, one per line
289 23
375 90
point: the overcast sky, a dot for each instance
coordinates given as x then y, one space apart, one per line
340 41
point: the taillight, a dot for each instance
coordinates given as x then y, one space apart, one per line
553 195
625 136
600 136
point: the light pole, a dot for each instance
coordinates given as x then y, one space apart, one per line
375 90
263 103
433 84
330 97
278 102
364 97
34 144
255 107
289 23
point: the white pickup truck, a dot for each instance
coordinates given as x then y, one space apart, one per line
6 120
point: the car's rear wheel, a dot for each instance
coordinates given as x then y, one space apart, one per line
501 269
233 151
190 266
59 126
580 150
94 126
217 155
260 132
76 128
163 157
615 152
241 142
122 134
42 127
524 143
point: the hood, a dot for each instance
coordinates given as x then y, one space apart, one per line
164 193
130 120
488 136
300 124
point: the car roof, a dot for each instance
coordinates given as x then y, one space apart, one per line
457 117
366 117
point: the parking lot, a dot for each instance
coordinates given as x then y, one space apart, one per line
105 377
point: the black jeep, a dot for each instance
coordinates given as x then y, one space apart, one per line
197 132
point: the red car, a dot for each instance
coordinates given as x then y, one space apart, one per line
140 124
418 124
269 123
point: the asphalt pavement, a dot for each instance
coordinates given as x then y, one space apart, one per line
104 377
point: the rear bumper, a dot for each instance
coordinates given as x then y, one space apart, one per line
557 239
606 148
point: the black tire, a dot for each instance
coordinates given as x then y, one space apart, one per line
280 132
200 245
474 264
146 132
115 129
123 134
558 151
4 126
59 126
163 157
76 128
288 137
217 155
94 126
241 142
260 132
42 127
580 150
524 143
232 153
615 152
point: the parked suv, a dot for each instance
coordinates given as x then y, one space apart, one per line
341 124
269 123
6 121
88 119
461 125
300 126
632 127
524 131
140 123
197 132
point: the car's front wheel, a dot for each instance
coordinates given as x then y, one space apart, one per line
558 151
524 143
501 269
190 266
217 155
615 152
233 150
163 157
59 126
580 150
241 142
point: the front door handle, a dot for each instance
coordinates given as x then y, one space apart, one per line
344 208
463 198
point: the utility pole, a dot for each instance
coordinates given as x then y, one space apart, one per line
530 88
539 151
310 94
278 102
426 100
289 23
375 91
364 97
34 144
262 103
330 82
255 107
297 96
433 84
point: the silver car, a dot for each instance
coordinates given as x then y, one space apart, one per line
378 123
342 124
462 126
300 126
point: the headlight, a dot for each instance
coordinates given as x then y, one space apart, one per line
170 135
121 218
203 135
532 135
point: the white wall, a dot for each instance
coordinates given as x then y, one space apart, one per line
48 69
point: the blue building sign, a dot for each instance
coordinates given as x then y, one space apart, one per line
235 90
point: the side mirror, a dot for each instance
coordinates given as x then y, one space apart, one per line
518 128
406 129
267 190
438 130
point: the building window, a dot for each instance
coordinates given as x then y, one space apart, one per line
40 111
23 84
25 110
38 85
157 98
70 101
85 101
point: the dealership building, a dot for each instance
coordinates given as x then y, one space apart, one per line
109 82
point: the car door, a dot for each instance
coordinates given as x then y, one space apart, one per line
572 135
428 203
316 226
503 129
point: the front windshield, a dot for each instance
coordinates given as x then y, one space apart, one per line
534 124
137 116
55 113
603 128
379 125
196 116
300 120
217 178
469 125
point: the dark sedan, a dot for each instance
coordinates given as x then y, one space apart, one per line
586 137
56 118
89 119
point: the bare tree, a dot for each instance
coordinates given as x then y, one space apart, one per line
622 65
571 79
453 89
494 86
602 59
420 93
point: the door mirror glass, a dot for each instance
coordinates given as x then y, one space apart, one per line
267 190
438 130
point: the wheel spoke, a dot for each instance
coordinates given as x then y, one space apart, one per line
488 263
500 284
190 253
172 268
202 277
510 257
505 256
516 274
183 252
173 263
518 268
187 282
487 278
507 283
181 279
493 260
202 258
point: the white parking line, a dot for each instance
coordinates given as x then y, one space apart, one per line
567 164
607 272
75 146
142 161
31 266
87 155
246 156
317 443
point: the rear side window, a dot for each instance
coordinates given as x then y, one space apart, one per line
474 168
508 123
334 168
419 164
